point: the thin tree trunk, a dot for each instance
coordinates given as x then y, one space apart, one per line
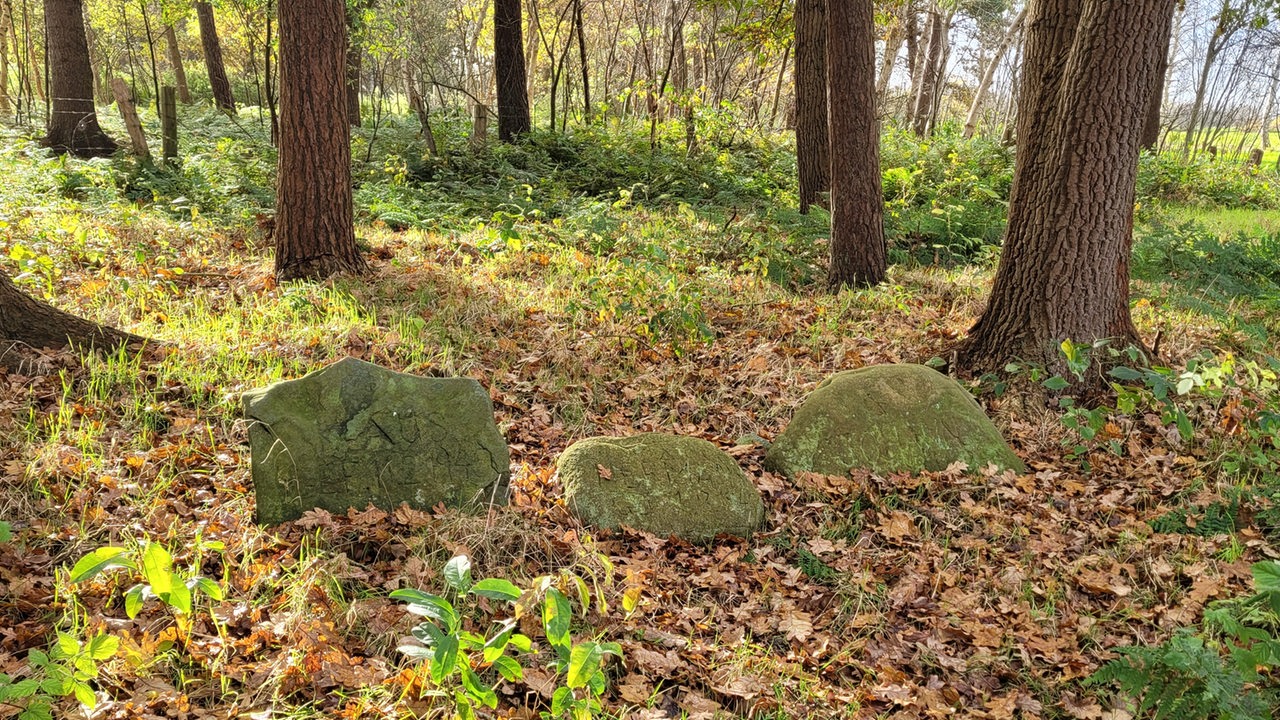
1064 273
984 87
859 256
509 71
73 121
582 58
315 237
892 47
813 141
179 71
932 70
218 82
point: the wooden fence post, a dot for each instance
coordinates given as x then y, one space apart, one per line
130 115
169 120
479 126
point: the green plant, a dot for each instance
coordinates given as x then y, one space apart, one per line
1220 671
160 581
466 665
66 670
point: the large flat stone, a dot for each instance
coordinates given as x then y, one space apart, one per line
355 433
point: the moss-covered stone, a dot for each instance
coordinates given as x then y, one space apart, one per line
663 484
888 418
354 433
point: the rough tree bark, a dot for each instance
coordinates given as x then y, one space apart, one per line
813 156
179 71
509 70
859 256
27 320
73 120
314 234
1091 66
988 75
218 81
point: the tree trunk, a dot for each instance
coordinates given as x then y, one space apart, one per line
314 234
73 120
1151 129
892 47
988 75
354 67
509 69
179 71
29 321
932 71
218 81
1091 66
858 253
813 156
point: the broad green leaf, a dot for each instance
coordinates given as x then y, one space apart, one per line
103 647
462 706
428 605
561 700
1266 576
584 594
497 645
521 642
457 572
1126 374
68 645
497 589
211 589
597 683
157 569
480 692
584 663
1057 383
6 532
100 560
133 598
509 668
417 652
85 695
556 616
445 658
22 689
179 595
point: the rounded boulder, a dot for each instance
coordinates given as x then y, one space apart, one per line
888 419
663 484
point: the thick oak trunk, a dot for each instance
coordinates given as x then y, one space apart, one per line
314 233
73 121
1064 273
813 156
509 69
218 81
858 253
26 320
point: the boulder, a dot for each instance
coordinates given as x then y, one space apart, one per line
663 484
355 433
888 419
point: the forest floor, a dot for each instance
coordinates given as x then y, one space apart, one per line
973 594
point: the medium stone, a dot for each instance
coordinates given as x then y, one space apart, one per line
355 433
663 484
887 419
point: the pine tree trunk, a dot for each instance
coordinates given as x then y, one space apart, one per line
29 321
355 63
179 71
218 82
858 253
813 156
509 70
73 121
314 234
1091 66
